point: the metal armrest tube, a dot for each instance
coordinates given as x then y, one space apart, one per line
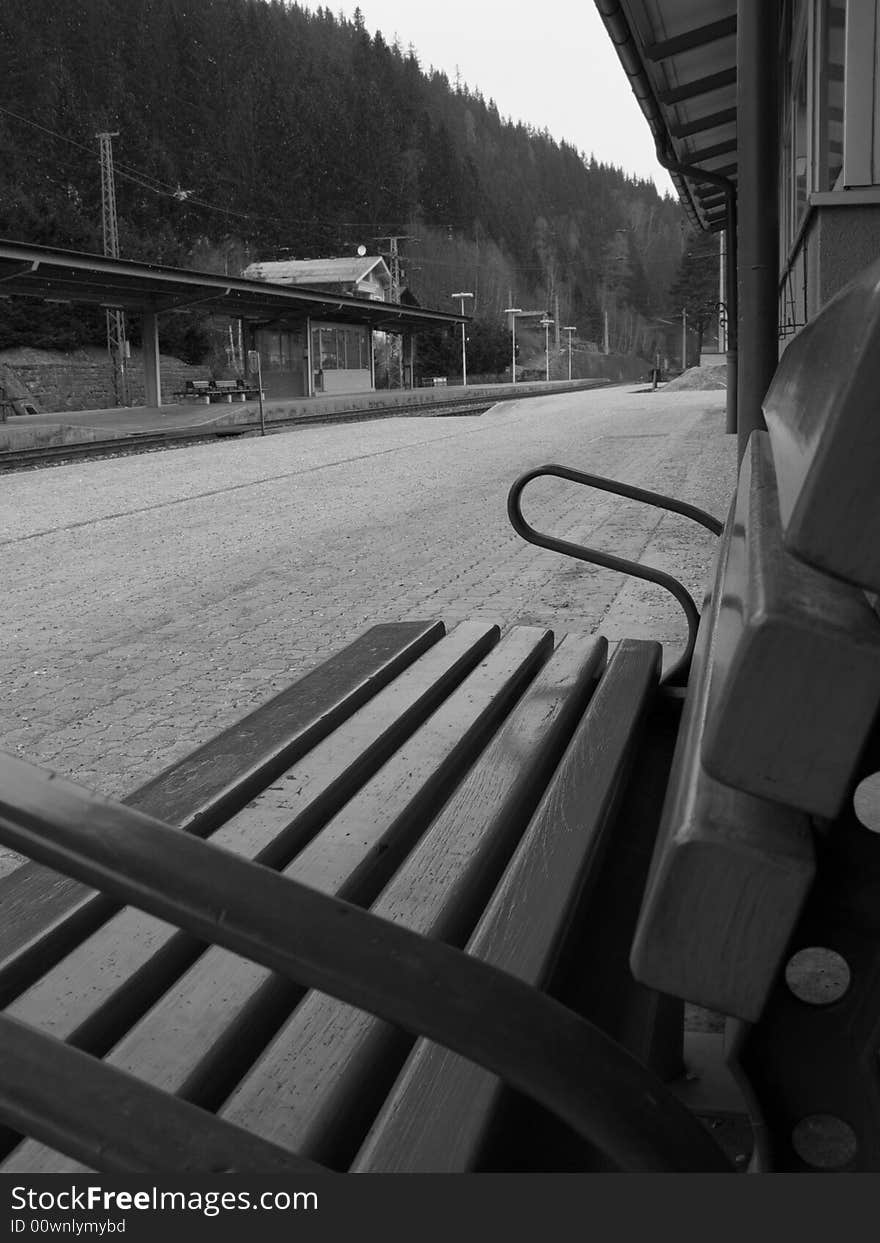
679 671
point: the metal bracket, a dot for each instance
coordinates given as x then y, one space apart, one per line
679 671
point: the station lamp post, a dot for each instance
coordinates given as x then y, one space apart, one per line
513 311
462 297
569 329
547 324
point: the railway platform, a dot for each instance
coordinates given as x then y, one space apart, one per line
76 426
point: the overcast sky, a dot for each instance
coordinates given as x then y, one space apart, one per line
549 65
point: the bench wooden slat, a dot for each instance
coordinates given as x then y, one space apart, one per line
66 1097
425 986
220 1013
796 662
98 990
437 1117
392 811
730 871
330 1061
49 913
819 411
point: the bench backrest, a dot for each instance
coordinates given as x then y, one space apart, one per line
823 414
796 679
785 685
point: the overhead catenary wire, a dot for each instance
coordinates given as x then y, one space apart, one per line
165 189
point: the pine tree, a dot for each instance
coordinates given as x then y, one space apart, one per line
695 288
276 127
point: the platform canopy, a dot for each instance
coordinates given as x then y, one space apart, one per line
680 57
148 289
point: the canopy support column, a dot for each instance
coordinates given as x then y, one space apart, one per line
757 35
152 373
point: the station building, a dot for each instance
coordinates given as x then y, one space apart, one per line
767 115
310 339
326 356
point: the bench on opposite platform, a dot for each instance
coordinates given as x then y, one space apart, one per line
208 391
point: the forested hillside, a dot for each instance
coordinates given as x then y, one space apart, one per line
250 129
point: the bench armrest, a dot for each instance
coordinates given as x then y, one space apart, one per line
679 672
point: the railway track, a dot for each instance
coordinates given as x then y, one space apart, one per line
180 438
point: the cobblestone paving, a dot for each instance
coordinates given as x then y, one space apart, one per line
150 601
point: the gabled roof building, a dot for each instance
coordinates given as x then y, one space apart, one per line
362 277
322 356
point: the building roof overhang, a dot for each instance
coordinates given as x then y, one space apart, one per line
120 284
680 58
319 272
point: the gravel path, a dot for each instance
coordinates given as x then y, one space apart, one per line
150 601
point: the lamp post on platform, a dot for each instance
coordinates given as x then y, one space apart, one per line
569 329
513 311
462 297
547 324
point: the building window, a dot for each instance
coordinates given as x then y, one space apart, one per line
795 147
324 349
830 62
279 350
340 349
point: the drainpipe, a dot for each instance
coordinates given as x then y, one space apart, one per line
724 183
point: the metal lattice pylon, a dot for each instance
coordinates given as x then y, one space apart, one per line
117 345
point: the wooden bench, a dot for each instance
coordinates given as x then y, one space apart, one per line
207 391
436 907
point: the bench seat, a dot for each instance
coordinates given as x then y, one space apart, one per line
426 785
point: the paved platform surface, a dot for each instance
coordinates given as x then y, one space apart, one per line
150 601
